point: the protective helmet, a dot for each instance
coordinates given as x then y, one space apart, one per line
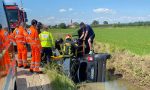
34 22
68 36
0 26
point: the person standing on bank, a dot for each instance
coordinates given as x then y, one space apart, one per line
34 41
20 35
47 43
87 34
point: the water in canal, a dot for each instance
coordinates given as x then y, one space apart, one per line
110 85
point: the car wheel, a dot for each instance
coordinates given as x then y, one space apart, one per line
15 86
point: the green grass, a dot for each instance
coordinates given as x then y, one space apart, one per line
135 39
60 33
58 80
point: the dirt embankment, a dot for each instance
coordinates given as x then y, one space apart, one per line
133 68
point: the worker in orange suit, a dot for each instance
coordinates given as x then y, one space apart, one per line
5 40
1 49
1 41
34 41
20 38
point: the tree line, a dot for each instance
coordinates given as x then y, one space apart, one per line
96 23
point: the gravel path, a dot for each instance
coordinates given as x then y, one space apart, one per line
29 81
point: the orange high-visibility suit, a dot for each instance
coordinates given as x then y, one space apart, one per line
1 43
5 41
34 41
1 59
20 39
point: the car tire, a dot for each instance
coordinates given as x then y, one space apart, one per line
15 86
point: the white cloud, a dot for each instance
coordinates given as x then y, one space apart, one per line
62 10
70 9
65 10
51 18
103 11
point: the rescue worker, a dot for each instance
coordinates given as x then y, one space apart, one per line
1 43
5 41
20 38
34 41
87 34
67 44
1 49
47 43
1 40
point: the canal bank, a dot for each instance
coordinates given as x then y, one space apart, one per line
126 65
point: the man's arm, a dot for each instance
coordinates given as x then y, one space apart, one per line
86 33
82 35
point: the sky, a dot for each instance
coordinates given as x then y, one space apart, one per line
53 12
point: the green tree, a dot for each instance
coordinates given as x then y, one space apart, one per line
62 25
55 26
49 26
105 22
95 23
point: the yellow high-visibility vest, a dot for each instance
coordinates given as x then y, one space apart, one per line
46 39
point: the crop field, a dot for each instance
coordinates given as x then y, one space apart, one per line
135 39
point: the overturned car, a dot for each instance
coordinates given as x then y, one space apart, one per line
77 64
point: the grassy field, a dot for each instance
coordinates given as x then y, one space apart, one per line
134 39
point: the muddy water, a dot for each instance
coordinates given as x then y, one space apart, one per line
110 85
